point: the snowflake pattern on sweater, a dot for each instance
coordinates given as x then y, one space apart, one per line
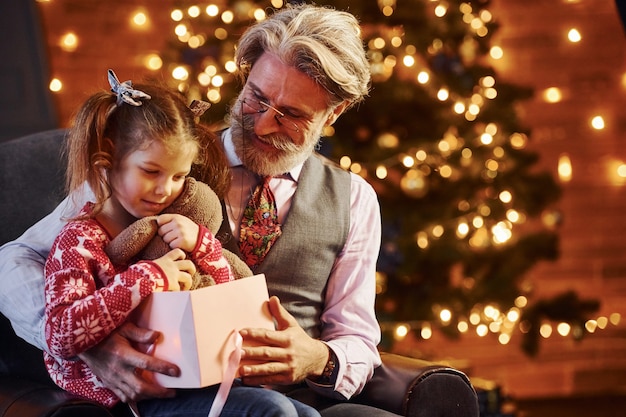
87 297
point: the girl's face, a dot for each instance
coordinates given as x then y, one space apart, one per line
148 180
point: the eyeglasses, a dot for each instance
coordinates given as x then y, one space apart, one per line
281 118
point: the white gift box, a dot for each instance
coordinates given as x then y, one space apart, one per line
197 327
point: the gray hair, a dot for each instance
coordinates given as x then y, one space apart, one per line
321 42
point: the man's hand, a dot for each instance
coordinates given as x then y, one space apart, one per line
119 365
286 355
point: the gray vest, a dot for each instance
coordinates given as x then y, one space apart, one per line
314 233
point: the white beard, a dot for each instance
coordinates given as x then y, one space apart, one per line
286 156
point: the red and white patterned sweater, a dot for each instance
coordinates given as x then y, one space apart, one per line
87 297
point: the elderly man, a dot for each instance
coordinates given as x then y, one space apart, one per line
302 68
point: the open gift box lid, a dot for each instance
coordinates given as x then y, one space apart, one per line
197 326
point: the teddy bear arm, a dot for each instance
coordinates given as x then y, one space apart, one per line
130 241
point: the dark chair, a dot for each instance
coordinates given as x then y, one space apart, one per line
27 102
31 183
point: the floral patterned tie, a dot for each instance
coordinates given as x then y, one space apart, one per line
259 225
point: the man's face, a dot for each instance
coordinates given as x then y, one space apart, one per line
278 117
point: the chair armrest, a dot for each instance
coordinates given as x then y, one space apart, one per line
418 388
25 398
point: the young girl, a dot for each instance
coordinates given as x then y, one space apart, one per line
134 148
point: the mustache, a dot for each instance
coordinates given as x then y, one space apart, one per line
279 141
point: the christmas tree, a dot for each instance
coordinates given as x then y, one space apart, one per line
465 212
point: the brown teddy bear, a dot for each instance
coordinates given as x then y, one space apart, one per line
140 240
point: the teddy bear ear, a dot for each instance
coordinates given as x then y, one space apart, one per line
189 190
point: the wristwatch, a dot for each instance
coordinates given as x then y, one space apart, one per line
329 375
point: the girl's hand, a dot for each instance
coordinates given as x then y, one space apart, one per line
178 231
177 269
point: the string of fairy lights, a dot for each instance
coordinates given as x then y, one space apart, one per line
389 53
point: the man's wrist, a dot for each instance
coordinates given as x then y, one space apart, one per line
331 368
